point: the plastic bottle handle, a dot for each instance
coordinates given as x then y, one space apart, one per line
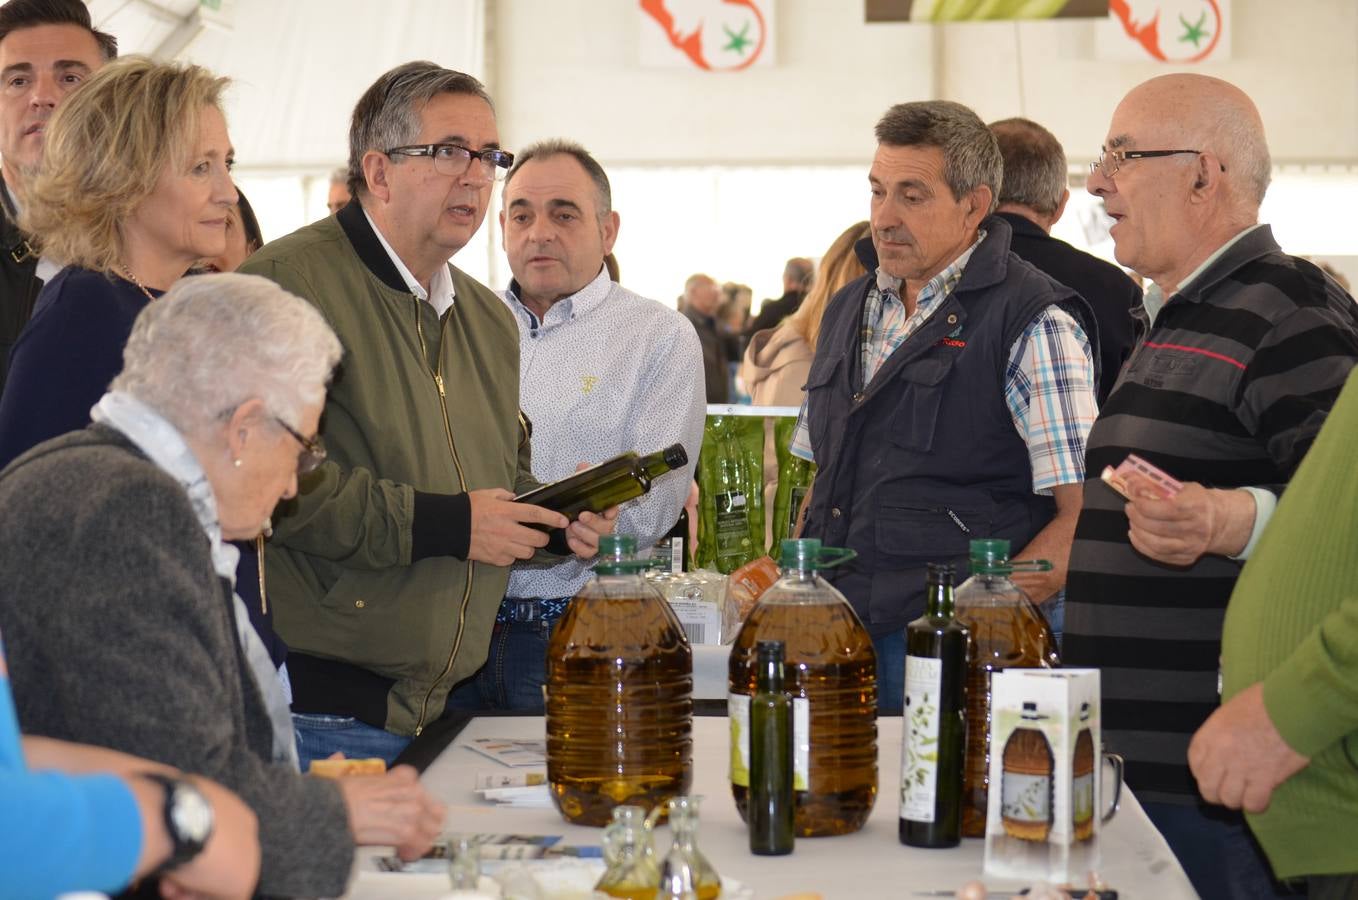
1029 565
833 556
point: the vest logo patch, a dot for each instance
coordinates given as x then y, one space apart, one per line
587 383
952 342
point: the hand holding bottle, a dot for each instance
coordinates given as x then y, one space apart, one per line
500 527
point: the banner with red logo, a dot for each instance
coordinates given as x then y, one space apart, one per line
711 35
1171 31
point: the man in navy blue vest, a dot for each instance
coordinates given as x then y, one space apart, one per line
952 387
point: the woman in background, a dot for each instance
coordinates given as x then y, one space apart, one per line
778 359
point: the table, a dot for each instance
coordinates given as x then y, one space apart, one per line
864 866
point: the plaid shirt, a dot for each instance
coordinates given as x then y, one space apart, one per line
1049 381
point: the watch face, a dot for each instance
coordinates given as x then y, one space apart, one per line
191 813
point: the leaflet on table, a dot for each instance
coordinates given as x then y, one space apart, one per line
511 752
525 789
493 847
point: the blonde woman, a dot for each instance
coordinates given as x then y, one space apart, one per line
134 188
778 359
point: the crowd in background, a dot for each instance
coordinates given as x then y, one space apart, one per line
258 496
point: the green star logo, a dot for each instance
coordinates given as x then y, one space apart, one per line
1194 33
737 40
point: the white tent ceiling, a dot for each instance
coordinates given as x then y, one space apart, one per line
297 66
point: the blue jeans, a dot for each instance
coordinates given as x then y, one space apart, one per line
318 736
514 673
890 672
1216 849
1054 609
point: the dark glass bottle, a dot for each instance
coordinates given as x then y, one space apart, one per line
772 805
622 478
673 548
933 742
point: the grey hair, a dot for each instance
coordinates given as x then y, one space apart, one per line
215 341
388 113
1034 165
562 147
971 156
1239 140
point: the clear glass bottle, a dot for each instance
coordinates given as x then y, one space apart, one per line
629 852
1006 631
686 872
619 694
464 869
831 675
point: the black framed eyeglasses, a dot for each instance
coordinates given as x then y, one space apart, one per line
1110 161
312 453
454 159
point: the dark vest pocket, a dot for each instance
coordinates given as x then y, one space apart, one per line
921 531
916 414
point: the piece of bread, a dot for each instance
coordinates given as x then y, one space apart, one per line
339 768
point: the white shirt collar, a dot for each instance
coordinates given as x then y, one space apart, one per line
1155 298
440 294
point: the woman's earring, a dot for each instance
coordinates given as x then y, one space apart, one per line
236 463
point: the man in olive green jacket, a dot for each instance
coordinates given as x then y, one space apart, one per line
387 569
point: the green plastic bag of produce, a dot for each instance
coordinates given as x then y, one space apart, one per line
794 479
731 496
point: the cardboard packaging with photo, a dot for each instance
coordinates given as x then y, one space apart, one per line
1043 816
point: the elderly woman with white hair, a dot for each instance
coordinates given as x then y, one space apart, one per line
116 597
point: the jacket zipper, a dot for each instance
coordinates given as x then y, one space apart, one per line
437 373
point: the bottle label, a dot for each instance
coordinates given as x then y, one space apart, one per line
1026 798
733 525
919 756
1082 797
738 714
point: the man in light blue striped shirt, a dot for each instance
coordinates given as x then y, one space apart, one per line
601 371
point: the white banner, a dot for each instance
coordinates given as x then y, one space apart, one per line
1172 31
711 35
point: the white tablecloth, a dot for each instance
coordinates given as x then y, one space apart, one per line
863 866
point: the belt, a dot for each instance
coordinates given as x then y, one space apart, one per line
531 609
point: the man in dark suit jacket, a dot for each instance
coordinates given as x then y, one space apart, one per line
796 279
47 49
1032 199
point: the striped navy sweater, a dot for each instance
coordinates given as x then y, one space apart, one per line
1228 389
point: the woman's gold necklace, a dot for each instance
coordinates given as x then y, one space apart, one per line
137 281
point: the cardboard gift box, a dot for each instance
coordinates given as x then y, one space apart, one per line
1043 818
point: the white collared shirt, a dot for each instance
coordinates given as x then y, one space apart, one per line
440 294
605 371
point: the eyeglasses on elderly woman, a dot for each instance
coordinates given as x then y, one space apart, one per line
312 454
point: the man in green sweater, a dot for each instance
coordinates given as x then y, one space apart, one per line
388 568
1284 744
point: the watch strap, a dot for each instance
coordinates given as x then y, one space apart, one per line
184 844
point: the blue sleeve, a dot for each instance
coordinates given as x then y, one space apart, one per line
63 833
63 360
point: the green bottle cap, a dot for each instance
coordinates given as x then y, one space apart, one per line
617 546
807 555
989 555
617 556
800 553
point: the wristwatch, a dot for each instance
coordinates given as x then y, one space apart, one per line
188 820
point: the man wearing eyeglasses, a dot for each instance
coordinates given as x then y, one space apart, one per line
393 558
1247 352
